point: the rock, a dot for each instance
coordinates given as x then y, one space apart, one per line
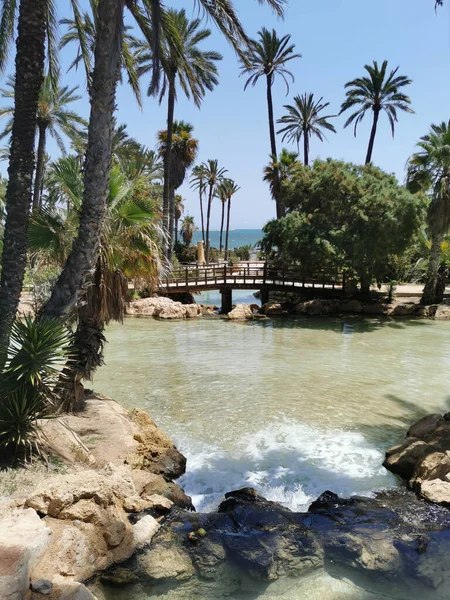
434 466
442 312
374 309
272 309
316 307
240 313
160 503
70 590
144 530
148 484
42 586
166 563
24 538
436 491
193 311
402 310
425 426
352 306
156 452
404 461
163 308
115 533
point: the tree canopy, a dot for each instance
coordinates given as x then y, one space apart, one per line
344 217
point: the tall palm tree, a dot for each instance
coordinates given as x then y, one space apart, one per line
268 57
129 251
53 117
86 246
304 120
213 177
30 65
377 92
280 169
192 68
429 171
198 182
179 209
188 228
184 150
226 190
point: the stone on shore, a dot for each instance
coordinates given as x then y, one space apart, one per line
241 312
163 308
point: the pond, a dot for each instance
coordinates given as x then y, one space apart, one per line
290 407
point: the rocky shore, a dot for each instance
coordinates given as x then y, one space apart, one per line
106 520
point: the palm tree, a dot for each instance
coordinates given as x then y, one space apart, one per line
30 65
53 117
429 171
183 152
213 177
188 228
129 251
268 57
179 209
183 63
280 169
226 190
85 249
198 182
304 120
379 91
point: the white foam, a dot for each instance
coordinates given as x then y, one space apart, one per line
291 463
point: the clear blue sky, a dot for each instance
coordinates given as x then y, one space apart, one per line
336 39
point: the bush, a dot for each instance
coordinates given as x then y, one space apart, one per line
185 254
38 350
243 252
40 280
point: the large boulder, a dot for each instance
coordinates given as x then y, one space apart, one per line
402 460
425 426
436 491
163 308
442 312
352 306
24 538
241 312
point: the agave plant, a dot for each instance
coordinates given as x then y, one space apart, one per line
28 388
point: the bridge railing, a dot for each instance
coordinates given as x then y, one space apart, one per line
257 274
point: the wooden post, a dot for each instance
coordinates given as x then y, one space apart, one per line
187 278
227 299
264 293
323 279
225 273
265 273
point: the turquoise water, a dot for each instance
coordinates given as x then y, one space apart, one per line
236 238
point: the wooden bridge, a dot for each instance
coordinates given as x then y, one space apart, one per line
261 276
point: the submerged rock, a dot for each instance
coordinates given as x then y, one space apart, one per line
392 542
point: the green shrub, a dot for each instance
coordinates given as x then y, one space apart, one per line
28 387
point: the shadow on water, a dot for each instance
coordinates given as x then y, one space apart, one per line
351 324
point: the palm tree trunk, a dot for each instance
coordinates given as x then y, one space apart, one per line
176 230
306 148
39 176
221 225
228 228
171 223
29 64
208 216
430 295
273 146
376 114
85 249
202 217
168 164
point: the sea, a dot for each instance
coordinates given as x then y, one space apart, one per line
236 238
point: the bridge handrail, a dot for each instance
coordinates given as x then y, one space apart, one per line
248 273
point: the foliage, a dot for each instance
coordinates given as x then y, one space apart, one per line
280 170
185 253
243 252
38 350
41 278
303 120
344 216
188 228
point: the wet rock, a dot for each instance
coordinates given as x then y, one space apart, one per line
166 563
436 491
374 309
404 460
352 306
442 312
42 586
402 310
425 426
273 309
240 313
